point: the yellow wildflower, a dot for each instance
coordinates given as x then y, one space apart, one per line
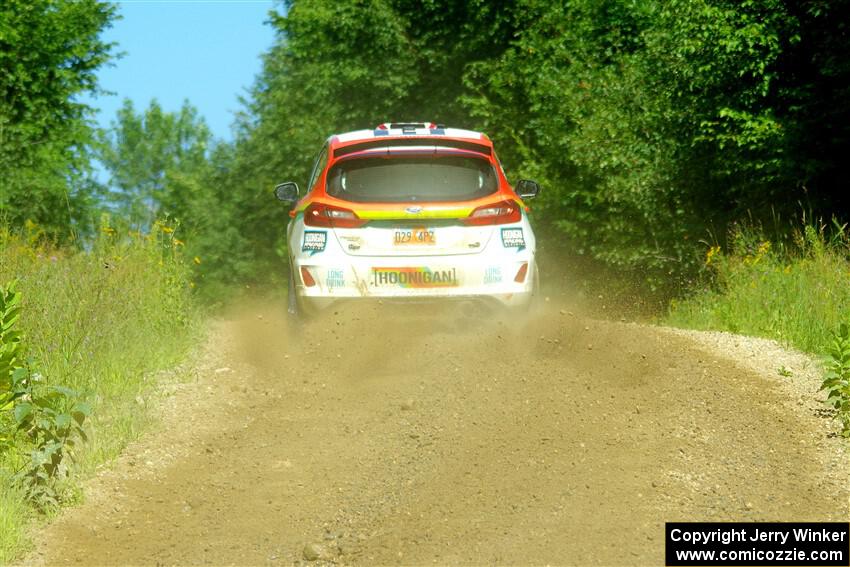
712 252
196 260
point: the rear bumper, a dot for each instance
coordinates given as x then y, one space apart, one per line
497 278
458 303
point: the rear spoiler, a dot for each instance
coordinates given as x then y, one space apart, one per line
407 142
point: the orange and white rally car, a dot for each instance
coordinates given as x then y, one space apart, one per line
408 211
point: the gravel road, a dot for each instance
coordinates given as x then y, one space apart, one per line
387 435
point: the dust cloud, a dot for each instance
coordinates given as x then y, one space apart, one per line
413 434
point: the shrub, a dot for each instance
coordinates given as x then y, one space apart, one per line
837 379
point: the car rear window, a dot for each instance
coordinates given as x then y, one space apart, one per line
412 178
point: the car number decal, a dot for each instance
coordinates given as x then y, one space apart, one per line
513 238
314 241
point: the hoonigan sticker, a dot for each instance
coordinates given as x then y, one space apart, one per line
513 238
418 277
314 241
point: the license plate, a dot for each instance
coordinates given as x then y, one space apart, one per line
416 235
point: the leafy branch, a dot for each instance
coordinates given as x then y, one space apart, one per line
836 382
47 419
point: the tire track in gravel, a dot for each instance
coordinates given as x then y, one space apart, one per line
387 435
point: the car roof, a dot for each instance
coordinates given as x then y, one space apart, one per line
395 130
409 135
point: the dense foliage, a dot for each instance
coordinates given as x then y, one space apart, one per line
653 125
794 292
156 160
50 51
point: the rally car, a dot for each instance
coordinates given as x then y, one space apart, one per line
409 211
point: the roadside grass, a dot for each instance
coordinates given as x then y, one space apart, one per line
101 321
13 515
796 292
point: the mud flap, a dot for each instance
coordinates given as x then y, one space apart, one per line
291 298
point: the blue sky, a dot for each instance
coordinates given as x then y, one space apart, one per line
206 51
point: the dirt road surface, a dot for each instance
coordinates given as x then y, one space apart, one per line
419 436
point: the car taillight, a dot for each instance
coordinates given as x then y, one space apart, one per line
307 277
503 212
319 214
520 274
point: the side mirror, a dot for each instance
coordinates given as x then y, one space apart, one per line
527 189
287 192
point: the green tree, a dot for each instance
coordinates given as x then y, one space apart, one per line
166 164
50 51
156 160
653 125
656 123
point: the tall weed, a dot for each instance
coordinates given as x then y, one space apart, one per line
798 294
836 382
99 321
13 519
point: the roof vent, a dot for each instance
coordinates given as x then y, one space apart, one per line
409 126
